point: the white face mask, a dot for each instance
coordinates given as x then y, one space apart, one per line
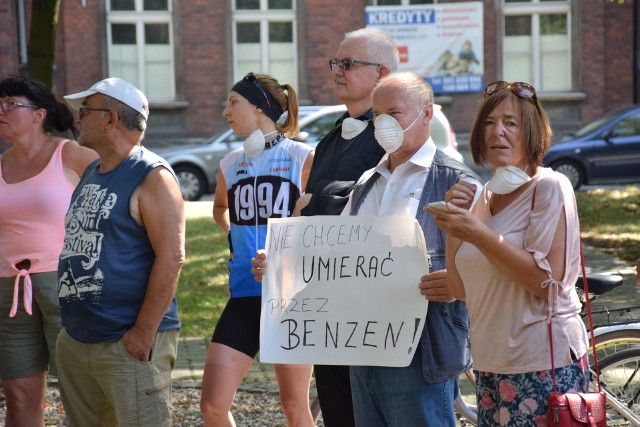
389 133
254 144
353 127
507 179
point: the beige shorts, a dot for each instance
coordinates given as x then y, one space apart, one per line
29 341
102 385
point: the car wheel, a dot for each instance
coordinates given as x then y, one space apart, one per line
571 170
192 182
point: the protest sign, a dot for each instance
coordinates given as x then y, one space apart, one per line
343 290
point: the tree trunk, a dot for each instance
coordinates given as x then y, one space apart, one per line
42 40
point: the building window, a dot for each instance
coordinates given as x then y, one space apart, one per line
399 2
537 43
264 39
140 46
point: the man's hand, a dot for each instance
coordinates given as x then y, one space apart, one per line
138 344
434 287
258 265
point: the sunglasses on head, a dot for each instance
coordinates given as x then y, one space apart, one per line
346 63
250 77
520 89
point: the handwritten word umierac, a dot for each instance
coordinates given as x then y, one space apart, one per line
327 268
346 334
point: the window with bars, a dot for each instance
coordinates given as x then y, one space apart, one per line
264 39
140 46
399 2
537 43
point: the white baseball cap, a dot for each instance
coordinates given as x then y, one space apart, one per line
116 88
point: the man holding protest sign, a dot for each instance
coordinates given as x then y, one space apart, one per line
410 176
363 57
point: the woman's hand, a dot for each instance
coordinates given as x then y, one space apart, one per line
457 222
258 264
461 194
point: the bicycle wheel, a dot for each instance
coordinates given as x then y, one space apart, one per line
466 411
620 377
614 341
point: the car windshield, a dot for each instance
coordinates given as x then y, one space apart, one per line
593 125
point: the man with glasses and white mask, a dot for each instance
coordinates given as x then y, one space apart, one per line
363 57
413 174
119 268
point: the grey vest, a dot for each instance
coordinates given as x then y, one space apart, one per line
445 337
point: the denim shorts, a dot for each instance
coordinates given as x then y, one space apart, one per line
29 341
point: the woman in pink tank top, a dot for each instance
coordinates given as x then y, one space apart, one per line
37 176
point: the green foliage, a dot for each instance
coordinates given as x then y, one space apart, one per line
203 288
610 221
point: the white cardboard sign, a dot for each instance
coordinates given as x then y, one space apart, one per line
343 290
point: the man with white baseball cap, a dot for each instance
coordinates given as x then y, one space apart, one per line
119 269
116 88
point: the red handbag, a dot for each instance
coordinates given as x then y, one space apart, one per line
577 409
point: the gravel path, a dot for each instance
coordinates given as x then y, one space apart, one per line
255 409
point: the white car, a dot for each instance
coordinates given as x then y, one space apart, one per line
197 165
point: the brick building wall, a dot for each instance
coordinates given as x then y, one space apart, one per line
604 52
9 53
323 32
203 49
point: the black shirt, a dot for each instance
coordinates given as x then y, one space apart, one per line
339 162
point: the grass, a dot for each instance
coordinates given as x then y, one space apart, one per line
203 288
609 219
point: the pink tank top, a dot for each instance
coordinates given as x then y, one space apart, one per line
32 218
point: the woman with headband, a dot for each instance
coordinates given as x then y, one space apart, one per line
278 168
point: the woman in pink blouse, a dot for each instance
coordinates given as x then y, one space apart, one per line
514 258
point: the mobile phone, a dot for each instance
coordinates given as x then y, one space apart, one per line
438 205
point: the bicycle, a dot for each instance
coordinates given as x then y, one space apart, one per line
620 379
618 350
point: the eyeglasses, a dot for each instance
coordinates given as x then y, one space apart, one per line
346 63
252 78
520 89
9 106
83 110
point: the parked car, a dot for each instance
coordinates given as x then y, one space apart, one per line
197 165
606 151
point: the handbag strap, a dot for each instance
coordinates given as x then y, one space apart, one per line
588 303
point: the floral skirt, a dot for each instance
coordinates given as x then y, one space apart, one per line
521 399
